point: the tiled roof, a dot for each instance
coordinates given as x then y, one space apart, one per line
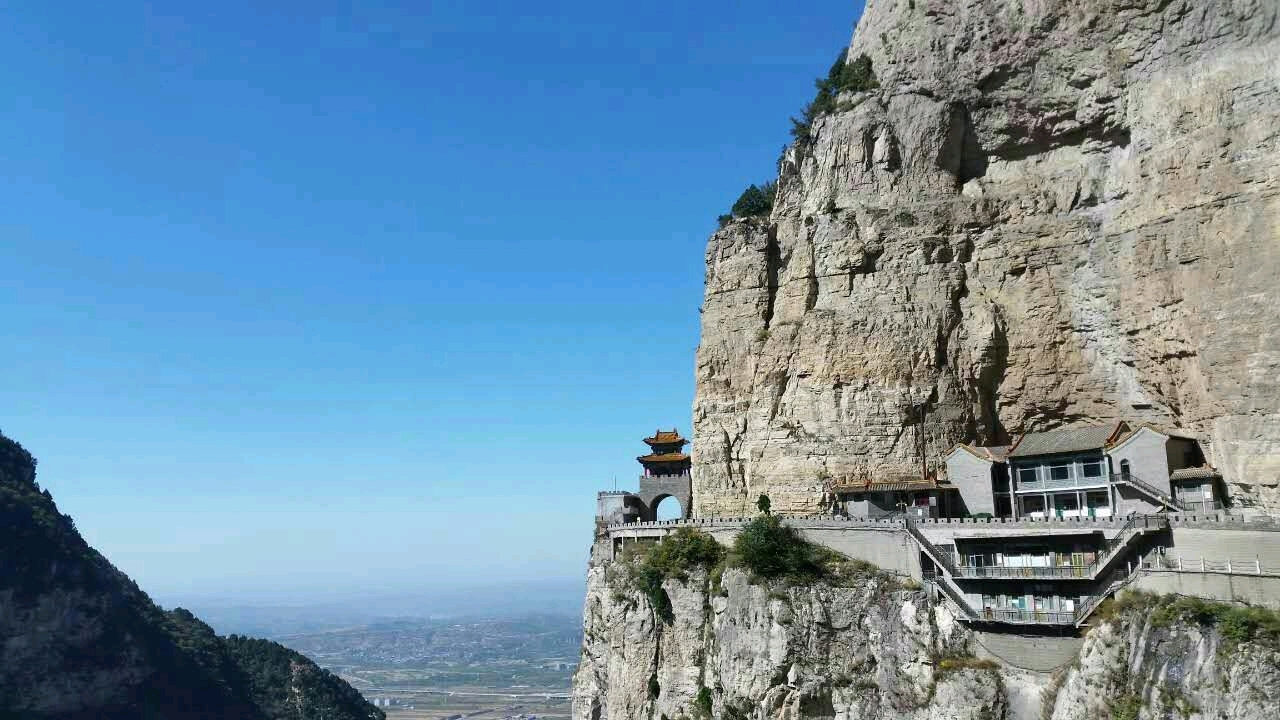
665 437
1195 473
997 453
664 458
1167 432
892 485
1067 440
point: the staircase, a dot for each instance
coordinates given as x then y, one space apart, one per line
942 560
1134 527
944 584
1118 580
1149 490
935 553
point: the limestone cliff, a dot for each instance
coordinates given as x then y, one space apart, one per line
1049 211
873 649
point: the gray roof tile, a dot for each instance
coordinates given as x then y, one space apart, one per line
1064 440
1194 473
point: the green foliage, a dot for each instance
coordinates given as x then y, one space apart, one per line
762 334
1126 707
1237 624
755 201
702 703
683 550
855 76
763 504
673 557
724 220
654 687
171 664
289 686
770 549
952 663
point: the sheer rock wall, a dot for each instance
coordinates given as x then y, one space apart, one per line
868 651
1048 212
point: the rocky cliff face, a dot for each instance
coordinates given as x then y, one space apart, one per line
874 650
1048 212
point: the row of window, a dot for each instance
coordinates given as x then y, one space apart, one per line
1080 471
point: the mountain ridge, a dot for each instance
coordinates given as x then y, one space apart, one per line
81 640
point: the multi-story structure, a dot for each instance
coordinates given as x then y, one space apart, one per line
1034 533
1114 480
666 475
1094 471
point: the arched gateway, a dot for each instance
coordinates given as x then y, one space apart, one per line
666 481
666 473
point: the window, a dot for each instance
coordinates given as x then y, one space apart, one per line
1060 472
1093 469
1026 475
1124 468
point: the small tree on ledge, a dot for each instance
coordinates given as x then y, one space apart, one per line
763 504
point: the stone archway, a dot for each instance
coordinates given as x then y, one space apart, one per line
663 506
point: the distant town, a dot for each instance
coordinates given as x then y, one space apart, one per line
418 669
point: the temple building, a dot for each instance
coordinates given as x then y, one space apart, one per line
666 475
666 454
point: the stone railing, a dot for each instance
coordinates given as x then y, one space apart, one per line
1224 521
800 521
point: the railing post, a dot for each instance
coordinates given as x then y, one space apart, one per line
1228 566
1257 565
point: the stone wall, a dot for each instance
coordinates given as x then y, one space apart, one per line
972 475
1148 459
1261 590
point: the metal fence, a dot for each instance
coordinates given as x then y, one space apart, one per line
1230 566
1132 527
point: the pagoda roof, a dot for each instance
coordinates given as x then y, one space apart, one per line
666 437
664 457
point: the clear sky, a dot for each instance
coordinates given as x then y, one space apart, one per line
302 297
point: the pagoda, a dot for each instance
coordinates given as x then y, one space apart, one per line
666 456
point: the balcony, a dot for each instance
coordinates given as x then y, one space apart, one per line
1028 617
1000 572
1071 482
1134 528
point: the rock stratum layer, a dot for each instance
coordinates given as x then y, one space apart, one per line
1049 212
871 650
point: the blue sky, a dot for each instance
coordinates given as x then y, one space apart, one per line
307 297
